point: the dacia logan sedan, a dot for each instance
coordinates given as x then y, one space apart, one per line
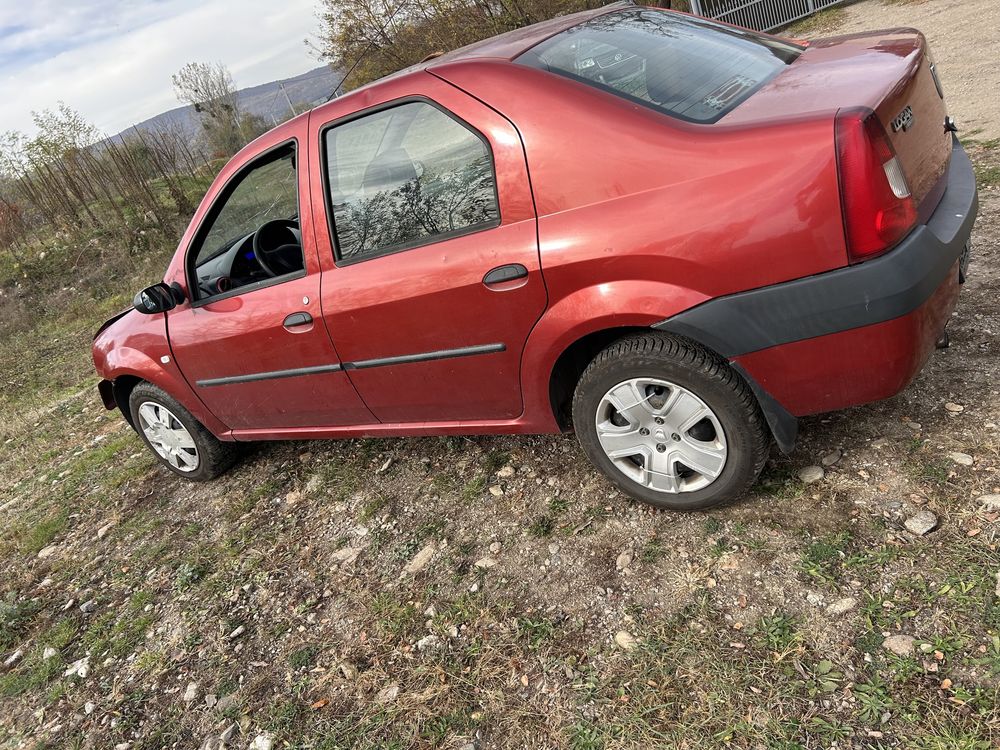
672 235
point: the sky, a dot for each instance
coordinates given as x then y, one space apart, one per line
112 60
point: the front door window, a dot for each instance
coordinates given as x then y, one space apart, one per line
251 236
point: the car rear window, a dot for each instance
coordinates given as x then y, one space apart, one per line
686 67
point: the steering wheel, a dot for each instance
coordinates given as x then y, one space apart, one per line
276 244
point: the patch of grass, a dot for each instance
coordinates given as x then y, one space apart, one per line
542 526
536 632
779 632
303 658
823 558
652 551
987 175
15 616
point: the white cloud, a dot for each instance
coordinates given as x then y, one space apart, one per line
112 59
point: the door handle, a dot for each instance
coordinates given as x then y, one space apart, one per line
298 319
503 274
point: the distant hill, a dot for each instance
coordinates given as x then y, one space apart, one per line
266 101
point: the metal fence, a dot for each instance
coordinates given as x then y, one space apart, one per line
762 15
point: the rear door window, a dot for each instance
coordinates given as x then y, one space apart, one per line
407 176
688 68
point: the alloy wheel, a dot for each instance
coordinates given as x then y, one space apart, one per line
661 435
168 436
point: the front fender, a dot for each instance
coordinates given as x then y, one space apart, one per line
623 303
136 346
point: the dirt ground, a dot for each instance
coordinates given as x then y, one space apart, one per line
497 592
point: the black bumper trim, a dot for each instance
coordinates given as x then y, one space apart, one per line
875 291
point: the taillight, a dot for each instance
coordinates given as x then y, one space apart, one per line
878 207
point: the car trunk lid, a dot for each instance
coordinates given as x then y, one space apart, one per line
889 72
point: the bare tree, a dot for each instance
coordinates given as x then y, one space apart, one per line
209 88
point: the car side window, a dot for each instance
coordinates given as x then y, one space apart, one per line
251 235
406 176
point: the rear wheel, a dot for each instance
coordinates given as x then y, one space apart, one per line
178 440
670 423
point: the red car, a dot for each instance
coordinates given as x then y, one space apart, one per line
674 235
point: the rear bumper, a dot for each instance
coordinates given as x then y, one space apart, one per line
850 336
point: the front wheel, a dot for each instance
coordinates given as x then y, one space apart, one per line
178 440
670 423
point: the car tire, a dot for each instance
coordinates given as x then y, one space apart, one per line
659 383
178 440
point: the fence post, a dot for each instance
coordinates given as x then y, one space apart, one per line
696 7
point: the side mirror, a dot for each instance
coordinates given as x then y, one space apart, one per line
157 299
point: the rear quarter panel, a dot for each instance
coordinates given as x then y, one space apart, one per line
642 216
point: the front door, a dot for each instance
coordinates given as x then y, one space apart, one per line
251 342
434 282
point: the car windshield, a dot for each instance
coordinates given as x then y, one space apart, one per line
689 68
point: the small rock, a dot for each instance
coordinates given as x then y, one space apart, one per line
261 742
421 559
385 467
954 408
240 630
496 490
68 605
922 523
474 588
495 548
811 474
842 606
832 457
348 670
103 531
81 668
553 548
88 606
225 702
428 643
49 653
227 733
89 708
626 641
990 503
191 692
814 598
901 645
997 591
624 559
47 551
211 700
347 555
963 459
506 471
387 694
915 426
484 563
14 658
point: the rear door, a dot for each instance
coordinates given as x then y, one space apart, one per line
431 277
